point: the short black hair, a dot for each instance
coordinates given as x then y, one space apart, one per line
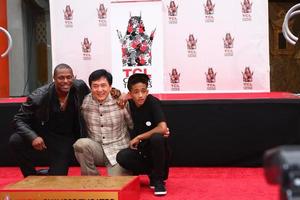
61 66
137 78
95 75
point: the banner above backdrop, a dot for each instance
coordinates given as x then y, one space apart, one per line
184 46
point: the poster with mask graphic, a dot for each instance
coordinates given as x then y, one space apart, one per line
137 42
195 46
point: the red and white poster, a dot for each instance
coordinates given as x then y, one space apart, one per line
184 46
137 42
216 46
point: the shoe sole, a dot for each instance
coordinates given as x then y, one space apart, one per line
152 186
160 193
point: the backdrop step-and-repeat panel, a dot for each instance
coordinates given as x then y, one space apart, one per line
184 46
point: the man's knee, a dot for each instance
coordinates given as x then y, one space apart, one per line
16 141
125 157
81 145
121 157
157 138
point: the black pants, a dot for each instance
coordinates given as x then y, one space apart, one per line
151 159
58 153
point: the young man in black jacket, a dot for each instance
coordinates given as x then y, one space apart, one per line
49 122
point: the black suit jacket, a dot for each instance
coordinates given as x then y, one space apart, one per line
34 113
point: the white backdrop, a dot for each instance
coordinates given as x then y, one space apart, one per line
175 64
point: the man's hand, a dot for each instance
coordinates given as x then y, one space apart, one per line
133 144
122 100
38 144
167 133
115 93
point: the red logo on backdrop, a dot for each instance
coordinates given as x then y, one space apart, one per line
174 80
172 12
191 44
210 79
102 15
247 78
210 75
128 72
246 6
86 48
228 44
172 8
174 76
209 7
246 10
68 13
86 45
68 16
247 75
102 11
228 41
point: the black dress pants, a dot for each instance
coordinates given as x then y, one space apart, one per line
151 158
58 153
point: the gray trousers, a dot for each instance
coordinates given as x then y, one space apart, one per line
90 154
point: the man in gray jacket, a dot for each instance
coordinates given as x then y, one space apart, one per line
107 128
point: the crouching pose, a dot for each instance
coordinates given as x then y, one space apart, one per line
148 152
107 128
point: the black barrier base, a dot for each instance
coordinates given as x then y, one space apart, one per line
211 132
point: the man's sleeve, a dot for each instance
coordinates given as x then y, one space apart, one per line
158 113
128 118
84 89
22 121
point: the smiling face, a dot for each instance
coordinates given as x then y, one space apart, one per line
63 80
100 89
